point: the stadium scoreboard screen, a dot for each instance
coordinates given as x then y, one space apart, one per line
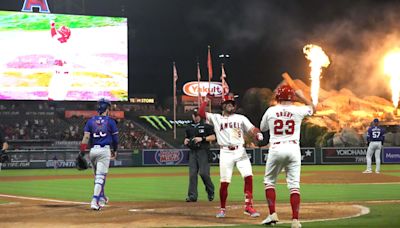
63 57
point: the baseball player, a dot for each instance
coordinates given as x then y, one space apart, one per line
59 83
375 139
229 129
283 122
102 132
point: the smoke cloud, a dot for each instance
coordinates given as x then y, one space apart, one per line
354 34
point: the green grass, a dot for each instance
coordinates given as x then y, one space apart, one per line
183 169
167 188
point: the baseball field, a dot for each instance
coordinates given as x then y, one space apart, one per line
332 196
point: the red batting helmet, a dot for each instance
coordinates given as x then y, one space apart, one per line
285 93
229 98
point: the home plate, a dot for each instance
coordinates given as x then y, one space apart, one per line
140 210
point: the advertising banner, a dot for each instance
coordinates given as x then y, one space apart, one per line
391 155
165 157
307 155
344 155
88 114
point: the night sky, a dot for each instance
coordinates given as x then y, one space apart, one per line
264 38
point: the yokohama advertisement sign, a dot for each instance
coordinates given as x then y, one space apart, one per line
192 88
344 155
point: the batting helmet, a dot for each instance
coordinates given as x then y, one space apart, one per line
229 98
102 105
285 93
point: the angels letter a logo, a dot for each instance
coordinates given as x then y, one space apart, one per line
41 4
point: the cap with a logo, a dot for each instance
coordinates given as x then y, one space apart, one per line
376 120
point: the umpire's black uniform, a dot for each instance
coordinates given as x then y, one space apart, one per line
199 156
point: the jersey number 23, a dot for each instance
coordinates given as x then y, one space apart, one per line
283 127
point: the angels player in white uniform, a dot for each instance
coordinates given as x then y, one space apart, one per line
283 122
60 82
229 129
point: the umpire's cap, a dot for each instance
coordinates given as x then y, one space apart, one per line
102 105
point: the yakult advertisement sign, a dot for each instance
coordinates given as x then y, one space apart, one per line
192 88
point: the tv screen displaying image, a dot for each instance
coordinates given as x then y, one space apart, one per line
63 57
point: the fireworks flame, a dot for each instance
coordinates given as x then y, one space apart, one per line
392 68
318 59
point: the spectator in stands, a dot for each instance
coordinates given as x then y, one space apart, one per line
4 146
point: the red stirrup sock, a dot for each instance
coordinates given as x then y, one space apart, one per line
248 190
270 195
295 202
223 193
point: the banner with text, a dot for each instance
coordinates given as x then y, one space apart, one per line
88 114
344 155
165 157
391 155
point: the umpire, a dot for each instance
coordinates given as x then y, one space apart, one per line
198 138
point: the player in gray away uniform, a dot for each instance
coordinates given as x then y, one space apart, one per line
375 139
102 132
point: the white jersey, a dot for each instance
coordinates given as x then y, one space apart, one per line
229 130
284 122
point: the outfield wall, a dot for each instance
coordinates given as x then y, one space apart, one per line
179 157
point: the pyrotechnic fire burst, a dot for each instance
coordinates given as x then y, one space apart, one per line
318 59
392 68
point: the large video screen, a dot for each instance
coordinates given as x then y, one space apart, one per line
63 57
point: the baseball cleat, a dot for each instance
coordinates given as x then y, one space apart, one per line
210 197
95 206
295 224
271 219
103 201
367 171
249 210
190 200
221 213
377 172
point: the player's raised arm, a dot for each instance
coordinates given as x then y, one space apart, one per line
303 99
202 109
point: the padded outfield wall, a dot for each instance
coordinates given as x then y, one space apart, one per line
179 157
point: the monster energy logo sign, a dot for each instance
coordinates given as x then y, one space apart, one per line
162 123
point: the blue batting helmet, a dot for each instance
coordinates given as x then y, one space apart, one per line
102 105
